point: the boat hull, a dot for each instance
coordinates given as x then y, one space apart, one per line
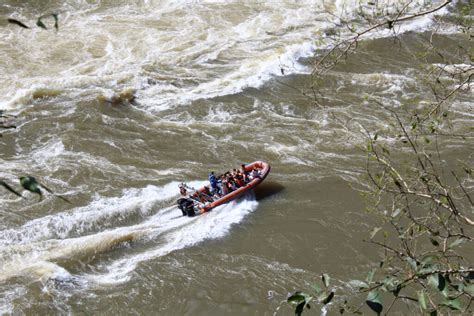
264 169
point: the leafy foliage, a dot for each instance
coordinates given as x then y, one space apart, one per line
374 302
9 188
39 21
300 300
16 22
30 183
427 230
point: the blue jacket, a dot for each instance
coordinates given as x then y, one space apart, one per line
212 180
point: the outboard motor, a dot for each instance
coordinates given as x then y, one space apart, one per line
186 206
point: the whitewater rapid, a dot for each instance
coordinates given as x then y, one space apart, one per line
129 98
103 51
32 249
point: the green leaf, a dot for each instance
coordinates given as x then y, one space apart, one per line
358 284
397 183
396 212
376 136
9 188
370 276
437 281
397 290
41 24
299 309
31 184
389 282
325 279
373 301
412 263
457 242
374 232
426 269
428 260
325 298
424 178
300 300
56 25
422 299
434 242
454 304
433 280
16 22
296 298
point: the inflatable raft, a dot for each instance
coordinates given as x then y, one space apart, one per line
195 204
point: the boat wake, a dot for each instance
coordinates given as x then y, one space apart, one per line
51 247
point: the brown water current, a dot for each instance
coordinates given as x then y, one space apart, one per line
209 95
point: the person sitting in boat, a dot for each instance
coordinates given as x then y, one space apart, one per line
207 194
182 189
199 197
225 188
239 180
255 174
212 182
228 187
231 185
218 192
244 173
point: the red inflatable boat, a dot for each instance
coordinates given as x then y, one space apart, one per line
195 203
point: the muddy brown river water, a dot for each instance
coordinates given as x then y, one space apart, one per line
210 94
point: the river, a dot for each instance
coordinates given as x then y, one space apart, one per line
213 86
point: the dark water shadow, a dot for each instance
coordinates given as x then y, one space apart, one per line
267 189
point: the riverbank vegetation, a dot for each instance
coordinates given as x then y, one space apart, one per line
417 183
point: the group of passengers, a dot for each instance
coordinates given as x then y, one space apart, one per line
230 181
222 185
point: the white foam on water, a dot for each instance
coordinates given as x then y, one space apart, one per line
249 74
7 298
106 55
98 52
389 83
381 79
98 214
52 155
348 9
454 68
36 260
31 248
34 253
178 233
